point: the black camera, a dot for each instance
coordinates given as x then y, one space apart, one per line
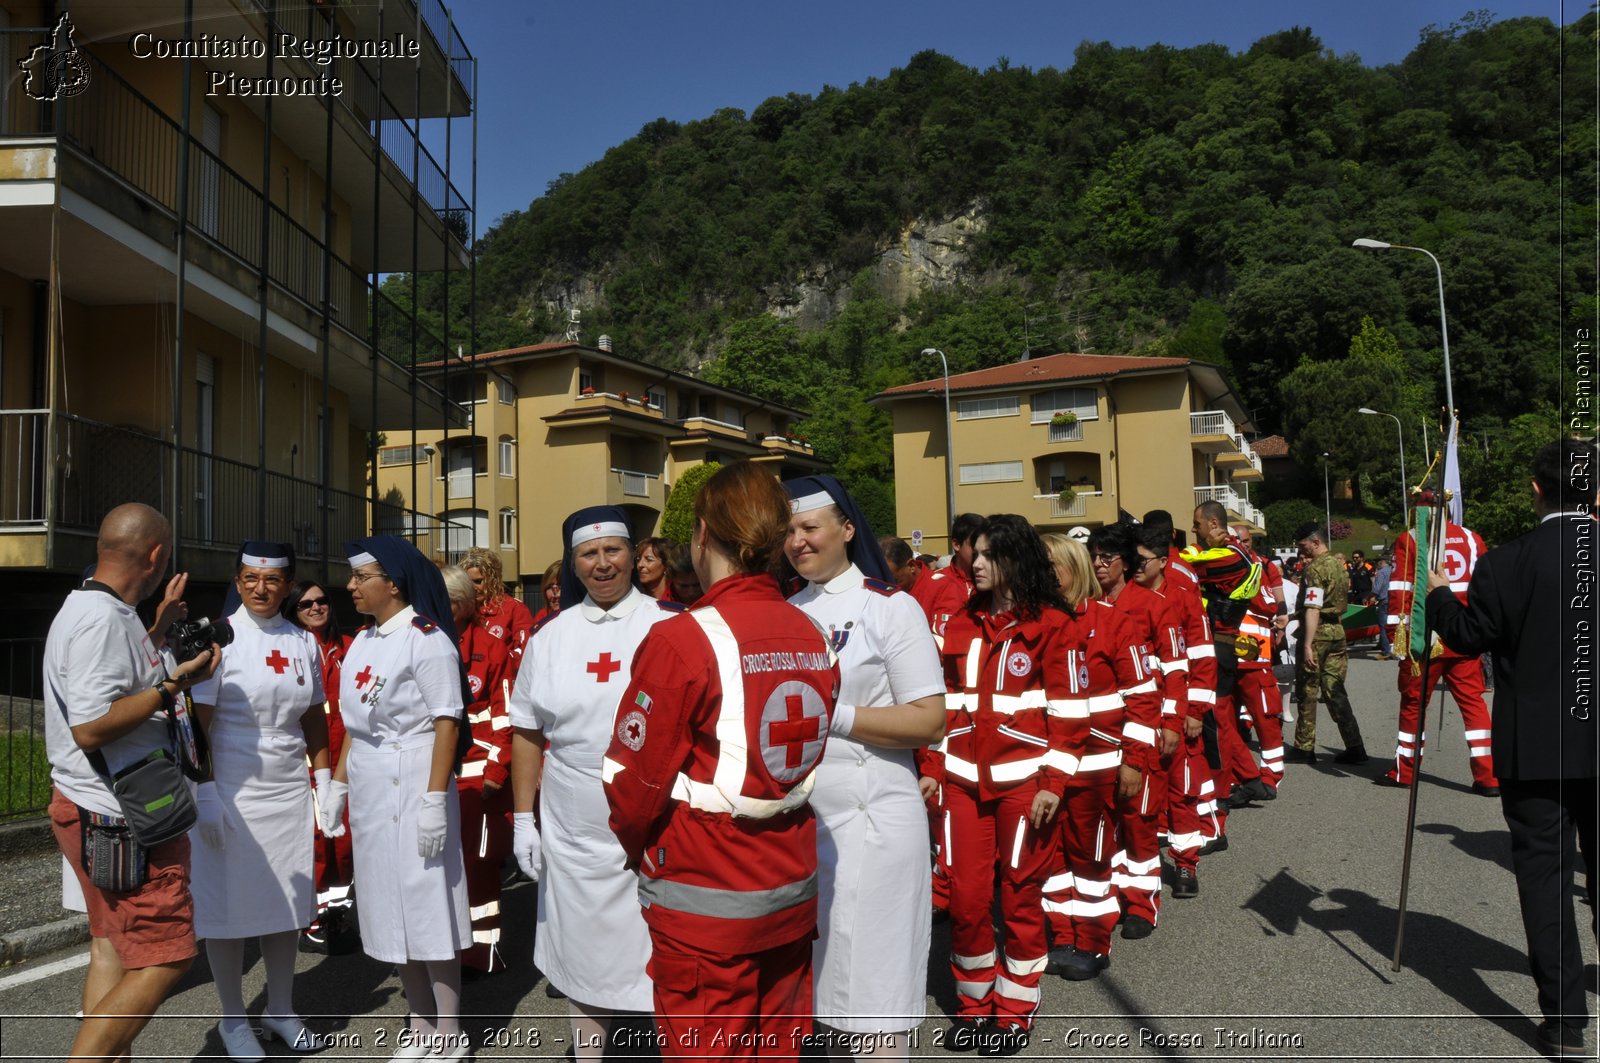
188 639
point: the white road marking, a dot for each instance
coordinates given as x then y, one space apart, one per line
71 963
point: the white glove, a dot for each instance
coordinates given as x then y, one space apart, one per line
330 808
431 825
212 819
320 780
525 844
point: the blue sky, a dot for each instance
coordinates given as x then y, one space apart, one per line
561 81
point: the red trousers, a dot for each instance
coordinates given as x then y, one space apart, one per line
1078 900
1260 705
486 841
1463 676
1136 865
714 1006
984 834
1191 804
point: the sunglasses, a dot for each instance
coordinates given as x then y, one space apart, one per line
311 603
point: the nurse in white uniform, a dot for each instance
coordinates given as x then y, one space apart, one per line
401 697
251 863
870 960
592 942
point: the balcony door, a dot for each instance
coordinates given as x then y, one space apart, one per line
208 190
205 413
462 465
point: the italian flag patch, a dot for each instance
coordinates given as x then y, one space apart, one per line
642 700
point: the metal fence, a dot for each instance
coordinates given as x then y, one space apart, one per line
25 782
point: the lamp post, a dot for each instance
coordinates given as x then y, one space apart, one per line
1444 331
1405 508
1327 499
949 443
433 519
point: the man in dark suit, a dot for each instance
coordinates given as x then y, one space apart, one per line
1532 603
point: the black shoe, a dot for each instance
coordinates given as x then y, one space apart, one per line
965 1034
1219 844
1558 1040
1185 883
1485 790
1137 927
1002 1041
1296 755
1075 965
1386 779
1250 791
552 992
314 939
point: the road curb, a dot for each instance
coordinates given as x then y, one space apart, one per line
33 941
24 836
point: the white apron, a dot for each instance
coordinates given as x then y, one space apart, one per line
870 959
592 942
396 679
260 882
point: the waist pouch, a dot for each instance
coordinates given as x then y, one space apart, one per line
112 859
154 799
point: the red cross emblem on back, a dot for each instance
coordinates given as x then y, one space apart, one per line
277 661
603 667
793 734
363 677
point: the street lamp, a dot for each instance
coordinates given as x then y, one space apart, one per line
949 443
433 519
1405 508
1327 499
1444 331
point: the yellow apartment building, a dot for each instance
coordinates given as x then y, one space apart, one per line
189 303
1068 441
558 426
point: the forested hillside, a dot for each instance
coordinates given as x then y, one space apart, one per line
1192 202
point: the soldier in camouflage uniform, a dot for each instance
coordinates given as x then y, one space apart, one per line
1324 592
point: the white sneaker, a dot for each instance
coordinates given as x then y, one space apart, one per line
240 1043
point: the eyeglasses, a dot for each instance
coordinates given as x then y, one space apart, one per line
362 577
1143 561
312 603
272 583
1106 559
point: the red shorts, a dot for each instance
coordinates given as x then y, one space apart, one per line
152 925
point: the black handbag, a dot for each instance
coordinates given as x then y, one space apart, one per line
154 797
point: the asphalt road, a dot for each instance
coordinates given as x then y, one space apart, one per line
1285 953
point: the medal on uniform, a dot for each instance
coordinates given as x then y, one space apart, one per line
300 671
839 636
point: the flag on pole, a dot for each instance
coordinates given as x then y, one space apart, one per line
1452 475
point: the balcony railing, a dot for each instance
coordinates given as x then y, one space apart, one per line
99 466
121 131
1078 507
1231 500
1211 423
636 484
1066 433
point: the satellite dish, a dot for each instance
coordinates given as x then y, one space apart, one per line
1078 534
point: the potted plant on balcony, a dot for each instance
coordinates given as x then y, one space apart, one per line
1064 419
623 396
587 391
1066 495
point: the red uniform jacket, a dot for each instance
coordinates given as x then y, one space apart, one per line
1127 628
1003 674
488 758
1158 621
332 652
1181 586
1220 571
711 765
512 623
941 597
1107 673
1462 548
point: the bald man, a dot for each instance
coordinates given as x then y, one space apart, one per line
108 691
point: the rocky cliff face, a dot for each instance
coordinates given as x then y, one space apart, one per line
929 253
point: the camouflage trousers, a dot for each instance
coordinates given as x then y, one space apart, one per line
1327 682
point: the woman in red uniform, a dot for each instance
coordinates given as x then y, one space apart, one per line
1003 769
485 768
334 869
502 615
709 776
1106 671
